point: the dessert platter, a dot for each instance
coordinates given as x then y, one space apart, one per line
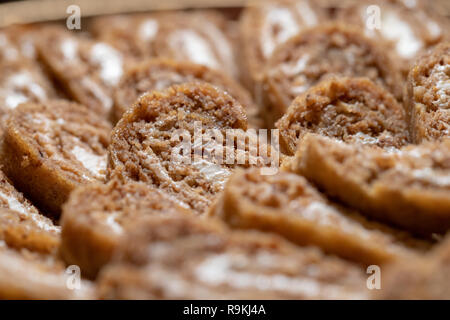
278 150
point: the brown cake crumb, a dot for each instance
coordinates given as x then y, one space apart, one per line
23 38
49 149
22 82
96 216
409 188
409 28
350 109
264 25
20 229
423 278
318 53
188 258
428 96
88 70
21 223
131 34
27 275
21 79
200 37
148 144
159 74
288 205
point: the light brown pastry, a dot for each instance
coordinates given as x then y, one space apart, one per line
288 205
349 109
49 149
9 49
408 27
96 216
427 98
159 74
159 141
27 275
409 188
22 82
87 70
188 258
266 24
29 265
424 278
200 37
318 53
131 34
23 38
21 224
21 229
21 79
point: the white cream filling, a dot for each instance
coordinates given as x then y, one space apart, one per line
433 28
307 13
98 93
110 62
21 208
189 44
211 171
16 84
429 175
13 99
223 46
9 52
229 270
164 79
111 221
326 215
27 48
94 163
291 69
394 28
410 3
14 204
148 29
284 20
69 49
